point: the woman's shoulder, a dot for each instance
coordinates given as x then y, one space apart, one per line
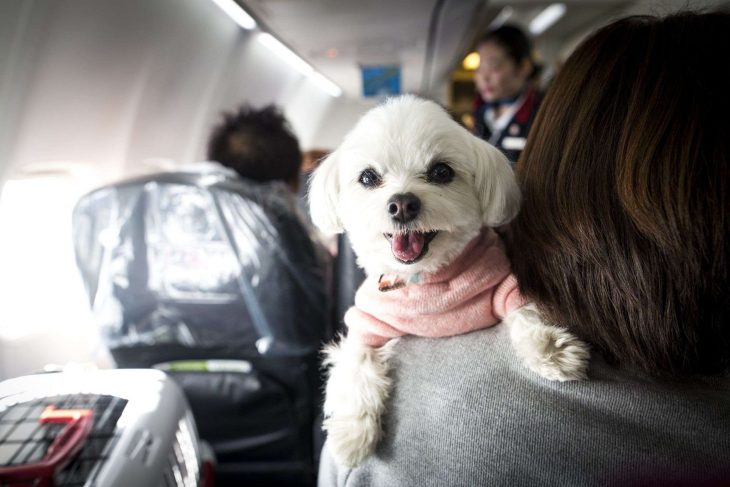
488 353
475 366
473 356
465 411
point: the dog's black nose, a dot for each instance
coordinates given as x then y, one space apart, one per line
404 207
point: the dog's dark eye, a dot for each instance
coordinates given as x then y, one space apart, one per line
369 178
440 173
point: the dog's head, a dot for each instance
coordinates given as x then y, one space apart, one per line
411 187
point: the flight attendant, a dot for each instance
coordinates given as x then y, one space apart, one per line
507 101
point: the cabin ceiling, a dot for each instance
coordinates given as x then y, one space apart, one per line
337 37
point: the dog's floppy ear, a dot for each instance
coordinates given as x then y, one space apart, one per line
324 193
495 184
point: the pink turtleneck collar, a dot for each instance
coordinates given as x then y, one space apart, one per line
475 291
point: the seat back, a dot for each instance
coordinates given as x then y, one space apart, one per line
217 281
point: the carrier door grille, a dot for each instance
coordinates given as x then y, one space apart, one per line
24 440
182 463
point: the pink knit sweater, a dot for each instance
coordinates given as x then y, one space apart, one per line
475 291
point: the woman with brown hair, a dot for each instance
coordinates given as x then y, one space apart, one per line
623 238
625 226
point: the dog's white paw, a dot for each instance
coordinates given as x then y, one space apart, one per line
351 440
357 388
550 351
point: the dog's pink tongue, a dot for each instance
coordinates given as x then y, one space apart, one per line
407 246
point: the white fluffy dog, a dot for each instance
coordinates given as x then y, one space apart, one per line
412 189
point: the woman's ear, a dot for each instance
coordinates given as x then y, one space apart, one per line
324 194
495 184
526 68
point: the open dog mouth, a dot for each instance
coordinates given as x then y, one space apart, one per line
409 246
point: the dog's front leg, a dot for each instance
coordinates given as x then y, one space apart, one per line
550 351
357 388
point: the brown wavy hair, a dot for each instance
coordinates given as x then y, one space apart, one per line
623 233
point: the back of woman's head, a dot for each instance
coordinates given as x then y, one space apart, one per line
624 231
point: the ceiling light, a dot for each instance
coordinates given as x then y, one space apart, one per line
471 61
325 85
285 53
291 58
236 12
547 18
501 18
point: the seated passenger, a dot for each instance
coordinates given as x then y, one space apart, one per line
258 145
624 238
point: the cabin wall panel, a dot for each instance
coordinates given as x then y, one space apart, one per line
101 90
122 86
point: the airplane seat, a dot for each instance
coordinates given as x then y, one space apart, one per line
215 280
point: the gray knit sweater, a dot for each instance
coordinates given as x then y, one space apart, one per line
464 412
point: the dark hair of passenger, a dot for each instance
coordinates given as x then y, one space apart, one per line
624 232
257 144
512 40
